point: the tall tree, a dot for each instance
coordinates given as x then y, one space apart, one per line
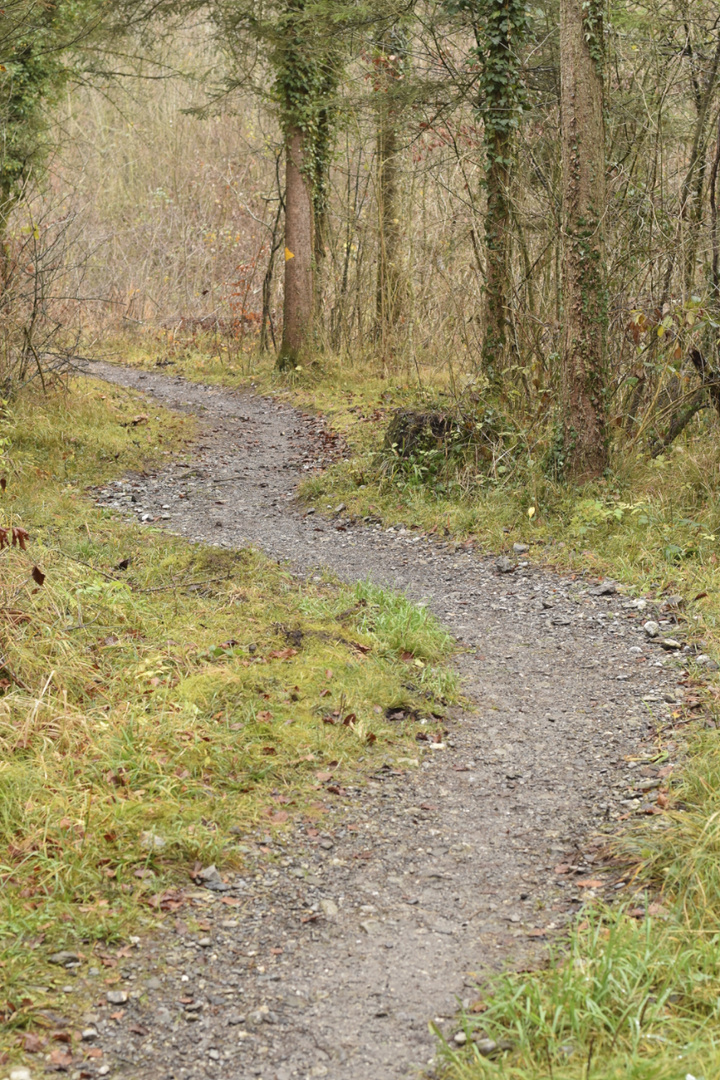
390 62
499 27
585 292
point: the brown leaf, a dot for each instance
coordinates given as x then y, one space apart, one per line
60 1059
138 1029
61 1036
20 537
95 1051
32 1043
3 483
270 750
283 654
37 575
265 717
563 868
323 777
590 883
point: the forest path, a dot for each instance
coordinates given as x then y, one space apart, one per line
328 956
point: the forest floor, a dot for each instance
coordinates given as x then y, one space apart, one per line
338 942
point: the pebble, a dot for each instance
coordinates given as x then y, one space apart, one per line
460 1038
505 566
520 549
486 1047
163 1017
706 662
116 997
651 628
153 984
20 1074
329 908
64 958
204 942
89 1033
671 643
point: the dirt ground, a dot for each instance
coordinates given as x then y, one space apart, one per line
331 952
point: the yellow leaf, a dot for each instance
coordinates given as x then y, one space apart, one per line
288 255
531 512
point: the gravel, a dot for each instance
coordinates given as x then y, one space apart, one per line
338 943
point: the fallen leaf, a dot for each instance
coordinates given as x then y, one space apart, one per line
32 1043
37 575
323 777
95 1051
61 1036
138 1029
60 1059
264 716
563 868
590 883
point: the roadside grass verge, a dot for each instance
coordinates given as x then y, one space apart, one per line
159 699
625 995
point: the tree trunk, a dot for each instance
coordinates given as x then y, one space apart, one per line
390 277
585 300
299 253
498 282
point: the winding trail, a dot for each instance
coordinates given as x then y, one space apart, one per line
333 950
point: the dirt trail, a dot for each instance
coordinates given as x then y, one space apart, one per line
336 948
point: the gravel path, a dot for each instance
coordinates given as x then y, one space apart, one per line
328 956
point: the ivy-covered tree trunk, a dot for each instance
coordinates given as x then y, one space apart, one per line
298 308
498 277
585 298
499 27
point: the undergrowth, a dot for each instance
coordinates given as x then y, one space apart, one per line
159 699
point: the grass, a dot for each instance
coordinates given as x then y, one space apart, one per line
158 698
627 994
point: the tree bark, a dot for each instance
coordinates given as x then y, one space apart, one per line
299 253
585 300
498 282
390 276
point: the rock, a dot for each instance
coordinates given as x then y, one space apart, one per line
214 1054
236 1018
210 878
671 643
673 603
706 662
605 588
648 785
153 983
339 509
204 942
486 1047
460 1038
64 958
371 926
116 997
20 1074
651 628
163 1017
505 565
520 549
89 1033
150 841
635 650
640 604
258 1016
329 908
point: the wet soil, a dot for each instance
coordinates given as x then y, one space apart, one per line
338 944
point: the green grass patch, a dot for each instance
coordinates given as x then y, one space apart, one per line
158 698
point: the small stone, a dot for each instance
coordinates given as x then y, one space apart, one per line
214 1054
640 604
606 588
116 997
460 1038
673 603
329 908
339 509
150 841
211 879
706 662
671 643
505 565
521 549
89 1033
64 958
163 1017
486 1047
236 1018
651 628
103 1070
204 942
153 983
371 926
635 650
20 1074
